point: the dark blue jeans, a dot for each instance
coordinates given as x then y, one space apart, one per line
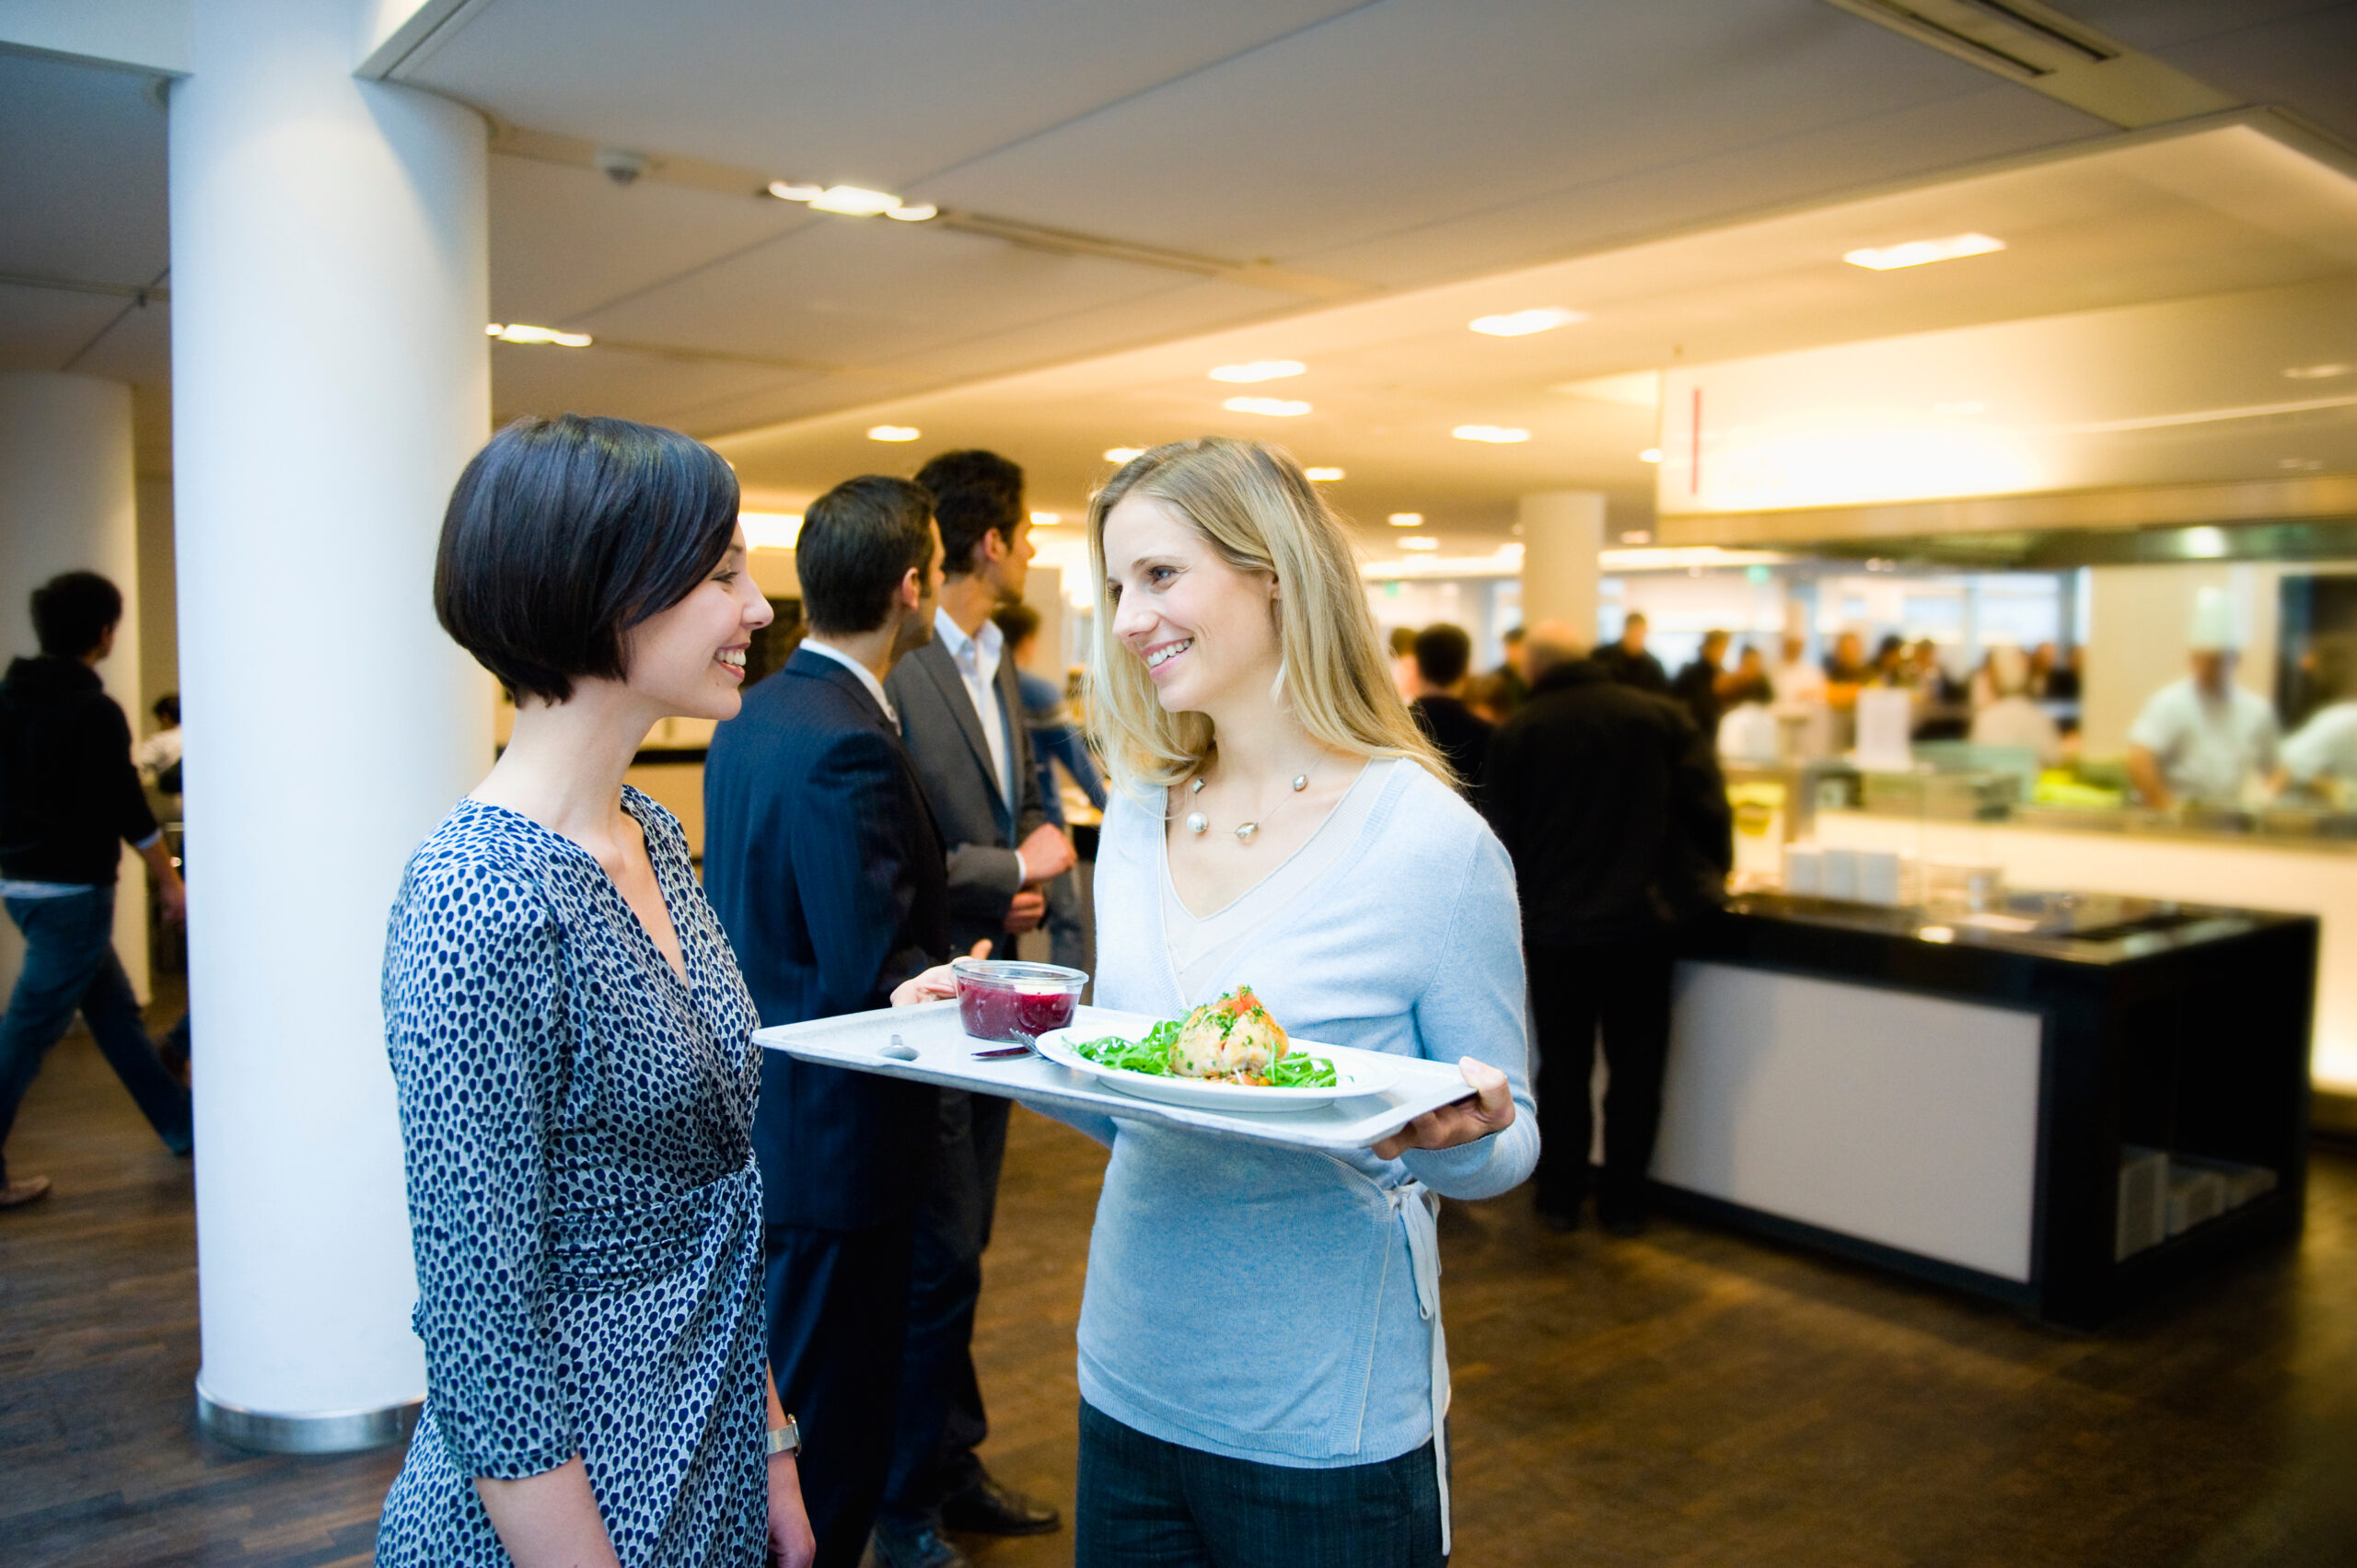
70 967
1148 1504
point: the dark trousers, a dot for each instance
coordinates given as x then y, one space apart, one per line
70 967
1625 987
940 1422
1148 1504
837 1303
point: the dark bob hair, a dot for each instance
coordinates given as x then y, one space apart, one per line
564 533
859 542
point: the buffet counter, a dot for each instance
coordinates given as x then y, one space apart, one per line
2062 1103
2277 861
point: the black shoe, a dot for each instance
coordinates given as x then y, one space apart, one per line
900 1546
984 1507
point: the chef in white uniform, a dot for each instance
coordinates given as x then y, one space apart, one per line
2204 738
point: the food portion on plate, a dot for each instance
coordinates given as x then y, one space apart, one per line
1230 1041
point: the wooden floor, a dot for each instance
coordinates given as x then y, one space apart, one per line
1690 1397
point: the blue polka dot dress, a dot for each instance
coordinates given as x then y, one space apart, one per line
582 1199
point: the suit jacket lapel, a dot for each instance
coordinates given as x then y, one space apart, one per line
936 662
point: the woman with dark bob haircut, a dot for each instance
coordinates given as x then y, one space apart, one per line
572 1046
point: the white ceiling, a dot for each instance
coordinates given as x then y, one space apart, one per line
1400 148
2164 216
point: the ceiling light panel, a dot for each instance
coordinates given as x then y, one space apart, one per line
787 191
1046 519
1260 370
518 332
893 433
1274 408
854 202
1919 253
1522 323
1123 454
1495 435
1323 476
1406 520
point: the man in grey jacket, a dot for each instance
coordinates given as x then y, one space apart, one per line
962 714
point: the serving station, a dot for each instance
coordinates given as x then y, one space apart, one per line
2062 1102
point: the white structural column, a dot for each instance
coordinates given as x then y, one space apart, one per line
1563 535
67 504
331 378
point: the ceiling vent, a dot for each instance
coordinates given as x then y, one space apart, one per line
2052 54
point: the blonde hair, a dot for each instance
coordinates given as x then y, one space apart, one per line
1257 510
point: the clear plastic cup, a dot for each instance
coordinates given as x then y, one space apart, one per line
1003 999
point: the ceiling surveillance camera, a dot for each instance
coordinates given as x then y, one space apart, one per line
622 168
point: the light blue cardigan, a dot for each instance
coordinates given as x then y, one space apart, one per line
1264 1302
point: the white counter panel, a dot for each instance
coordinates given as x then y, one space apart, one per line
2254 875
1904 1120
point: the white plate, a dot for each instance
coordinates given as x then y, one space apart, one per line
1356 1072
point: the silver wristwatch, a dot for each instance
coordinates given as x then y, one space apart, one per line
787 1439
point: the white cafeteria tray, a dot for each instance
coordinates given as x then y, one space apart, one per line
943 1053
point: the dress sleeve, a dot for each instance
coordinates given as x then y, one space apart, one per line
1477 1005
472 1018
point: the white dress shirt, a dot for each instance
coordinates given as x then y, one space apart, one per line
866 675
977 660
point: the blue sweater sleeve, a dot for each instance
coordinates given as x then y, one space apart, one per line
1477 1005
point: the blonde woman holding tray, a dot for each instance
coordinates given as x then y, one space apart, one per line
1263 1373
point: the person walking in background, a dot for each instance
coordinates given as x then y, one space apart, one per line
1626 661
158 756
2013 718
1514 671
1056 741
1443 653
961 713
572 1046
823 865
69 794
1704 684
1613 808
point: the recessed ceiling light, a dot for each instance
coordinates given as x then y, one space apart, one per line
1275 408
1522 323
1046 519
1637 536
1407 519
917 214
854 202
1419 544
787 191
1916 252
1650 455
1123 454
1260 370
518 332
2316 372
770 530
2203 544
893 433
1497 435
1323 476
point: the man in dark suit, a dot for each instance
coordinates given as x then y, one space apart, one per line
824 866
961 713
1697 683
1627 660
1612 802
1443 653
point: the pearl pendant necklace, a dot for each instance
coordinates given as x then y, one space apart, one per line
1197 823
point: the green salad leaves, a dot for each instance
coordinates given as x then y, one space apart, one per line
1152 1055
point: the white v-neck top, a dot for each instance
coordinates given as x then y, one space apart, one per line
1201 945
